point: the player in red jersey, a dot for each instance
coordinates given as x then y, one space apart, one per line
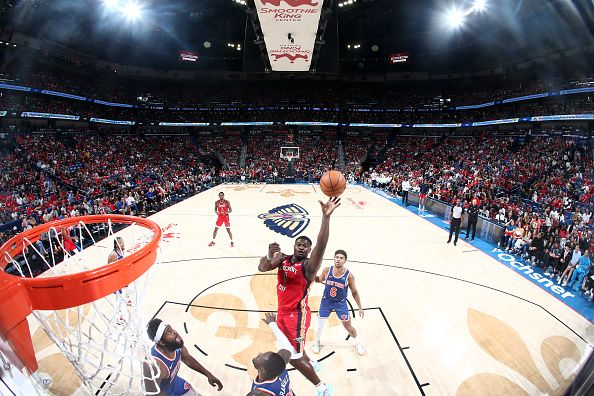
296 273
222 209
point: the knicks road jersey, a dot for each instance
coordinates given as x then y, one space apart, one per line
167 383
222 207
293 286
280 386
336 289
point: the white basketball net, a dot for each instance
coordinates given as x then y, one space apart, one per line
105 340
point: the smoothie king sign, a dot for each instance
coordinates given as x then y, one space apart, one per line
289 28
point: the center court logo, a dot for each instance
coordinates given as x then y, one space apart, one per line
288 220
291 3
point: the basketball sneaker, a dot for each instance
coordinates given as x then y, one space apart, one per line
211 244
324 390
360 349
232 244
315 347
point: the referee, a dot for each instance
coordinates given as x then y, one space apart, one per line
455 221
473 211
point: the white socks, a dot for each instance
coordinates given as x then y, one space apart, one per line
321 323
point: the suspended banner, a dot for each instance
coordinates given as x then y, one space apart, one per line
289 28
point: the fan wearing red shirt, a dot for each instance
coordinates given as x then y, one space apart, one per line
295 274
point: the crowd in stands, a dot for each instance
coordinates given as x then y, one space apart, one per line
18 101
539 186
111 87
49 177
328 102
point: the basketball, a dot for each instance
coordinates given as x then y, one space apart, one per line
332 183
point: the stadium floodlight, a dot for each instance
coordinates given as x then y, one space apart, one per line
132 10
479 5
455 18
110 3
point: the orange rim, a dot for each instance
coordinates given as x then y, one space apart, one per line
65 291
19 296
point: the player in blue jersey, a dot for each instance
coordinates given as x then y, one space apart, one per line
169 351
118 250
273 377
338 280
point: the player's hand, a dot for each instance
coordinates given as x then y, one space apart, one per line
273 249
328 207
361 312
269 317
214 382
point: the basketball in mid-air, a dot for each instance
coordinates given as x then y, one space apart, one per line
332 183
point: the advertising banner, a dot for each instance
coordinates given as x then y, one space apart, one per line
289 28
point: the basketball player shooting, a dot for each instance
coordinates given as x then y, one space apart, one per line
295 274
222 209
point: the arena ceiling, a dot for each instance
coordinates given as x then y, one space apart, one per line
507 31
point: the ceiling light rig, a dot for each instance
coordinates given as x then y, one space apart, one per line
456 17
347 3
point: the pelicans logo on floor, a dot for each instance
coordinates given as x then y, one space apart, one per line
288 220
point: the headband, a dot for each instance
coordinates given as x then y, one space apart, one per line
160 331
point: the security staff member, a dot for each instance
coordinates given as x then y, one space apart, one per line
455 221
473 212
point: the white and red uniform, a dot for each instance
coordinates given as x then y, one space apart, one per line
223 213
294 314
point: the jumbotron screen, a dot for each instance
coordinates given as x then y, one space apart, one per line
187 56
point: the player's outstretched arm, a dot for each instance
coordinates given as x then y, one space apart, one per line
322 277
194 365
317 254
355 294
216 211
151 379
286 349
273 260
228 207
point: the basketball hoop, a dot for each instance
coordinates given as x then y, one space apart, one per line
89 308
289 156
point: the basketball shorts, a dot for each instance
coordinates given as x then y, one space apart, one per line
422 196
340 307
294 326
178 387
223 219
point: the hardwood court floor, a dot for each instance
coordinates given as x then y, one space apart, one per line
439 319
